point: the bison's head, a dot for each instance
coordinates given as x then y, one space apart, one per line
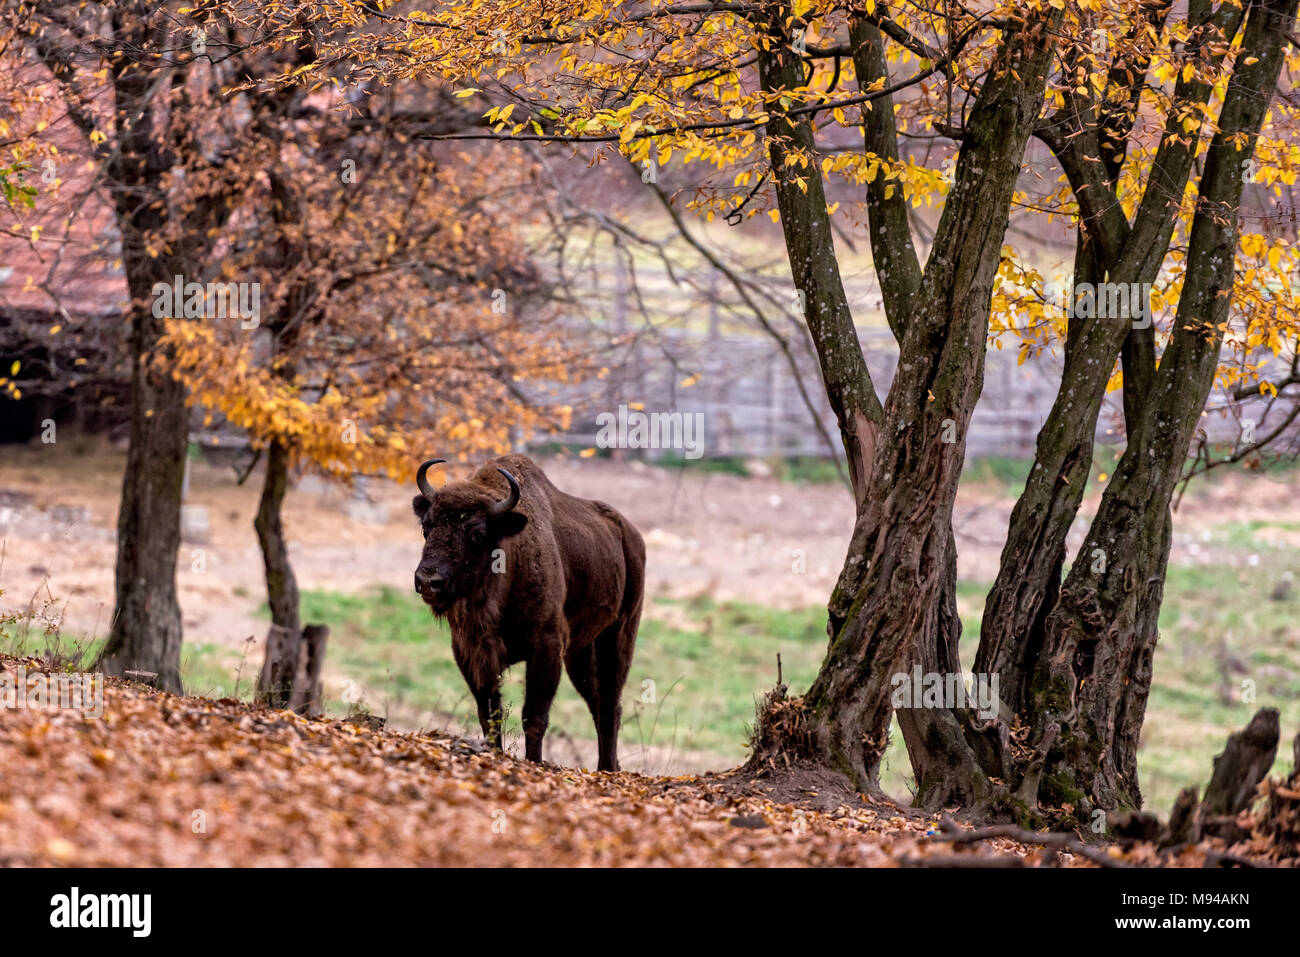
463 524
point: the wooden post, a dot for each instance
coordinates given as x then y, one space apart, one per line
291 671
306 696
276 680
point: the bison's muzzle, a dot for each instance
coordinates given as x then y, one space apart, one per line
432 587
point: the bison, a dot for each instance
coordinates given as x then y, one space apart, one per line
525 572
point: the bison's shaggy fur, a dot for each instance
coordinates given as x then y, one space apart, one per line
553 580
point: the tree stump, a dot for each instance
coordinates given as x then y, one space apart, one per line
1234 786
1183 827
291 671
1245 760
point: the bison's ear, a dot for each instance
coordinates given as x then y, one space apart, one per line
511 523
420 505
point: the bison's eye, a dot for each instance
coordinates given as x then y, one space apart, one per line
476 534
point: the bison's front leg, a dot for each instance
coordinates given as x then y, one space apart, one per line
490 718
487 695
540 685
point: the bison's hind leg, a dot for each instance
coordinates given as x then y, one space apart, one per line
581 665
541 681
613 661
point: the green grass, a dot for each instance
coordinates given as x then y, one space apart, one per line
699 667
57 651
218 671
1243 536
808 470
208 670
997 470
726 464
709 662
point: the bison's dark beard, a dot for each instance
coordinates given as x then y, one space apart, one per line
439 604
475 622
464 589
473 609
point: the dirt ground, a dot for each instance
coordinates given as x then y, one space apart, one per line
758 540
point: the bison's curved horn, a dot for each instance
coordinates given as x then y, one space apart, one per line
510 501
422 483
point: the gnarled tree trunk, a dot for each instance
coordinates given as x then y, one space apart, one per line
900 564
1091 147
1093 677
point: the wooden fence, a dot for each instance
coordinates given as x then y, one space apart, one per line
752 406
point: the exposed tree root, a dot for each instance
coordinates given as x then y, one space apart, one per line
955 834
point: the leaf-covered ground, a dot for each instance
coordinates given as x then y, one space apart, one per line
161 780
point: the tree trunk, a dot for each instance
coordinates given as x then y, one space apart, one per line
810 249
145 634
1245 761
1090 148
171 197
1090 688
935 737
281 585
307 696
146 630
904 532
279 674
